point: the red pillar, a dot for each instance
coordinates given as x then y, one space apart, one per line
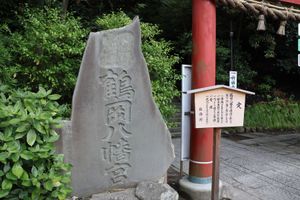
203 75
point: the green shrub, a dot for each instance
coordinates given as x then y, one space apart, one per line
47 51
242 59
277 114
5 57
29 167
159 59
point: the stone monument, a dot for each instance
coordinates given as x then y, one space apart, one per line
118 135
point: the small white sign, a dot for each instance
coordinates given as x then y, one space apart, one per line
299 29
233 79
298 60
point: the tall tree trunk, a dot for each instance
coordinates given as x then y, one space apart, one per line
65 7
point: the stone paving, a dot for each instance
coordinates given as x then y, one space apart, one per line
258 166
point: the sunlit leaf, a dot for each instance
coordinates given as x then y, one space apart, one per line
31 137
17 170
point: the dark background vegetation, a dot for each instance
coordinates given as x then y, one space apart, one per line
266 62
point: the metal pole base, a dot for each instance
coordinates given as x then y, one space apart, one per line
198 191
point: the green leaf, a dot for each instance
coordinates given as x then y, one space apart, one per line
4 193
3 156
2 114
34 171
3 147
15 157
17 107
6 167
36 182
17 170
42 92
45 116
53 138
20 135
2 136
6 184
4 124
59 158
29 105
27 155
35 195
22 128
56 183
53 132
10 176
14 121
54 96
49 92
34 149
65 191
48 185
8 132
26 183
39 127
61 196
23 194
31 137
44 155
1 173
13 147
25 176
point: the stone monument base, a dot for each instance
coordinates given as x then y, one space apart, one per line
145 190
198 191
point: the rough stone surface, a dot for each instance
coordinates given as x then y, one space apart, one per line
240 129
63 145
148 190
118 135
128 194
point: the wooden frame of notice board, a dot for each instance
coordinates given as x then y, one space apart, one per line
217 107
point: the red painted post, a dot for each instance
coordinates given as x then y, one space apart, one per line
297 2
203 75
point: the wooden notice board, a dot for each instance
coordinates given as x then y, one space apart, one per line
219 106
216 107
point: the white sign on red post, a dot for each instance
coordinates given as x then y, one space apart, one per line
233 79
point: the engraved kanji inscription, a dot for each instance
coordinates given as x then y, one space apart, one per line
119 94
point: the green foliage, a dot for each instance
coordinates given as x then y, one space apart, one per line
241 65
257 54
114 20
47 51
277 114
5 57
242 61
265 89
29 167
266 40
159 59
